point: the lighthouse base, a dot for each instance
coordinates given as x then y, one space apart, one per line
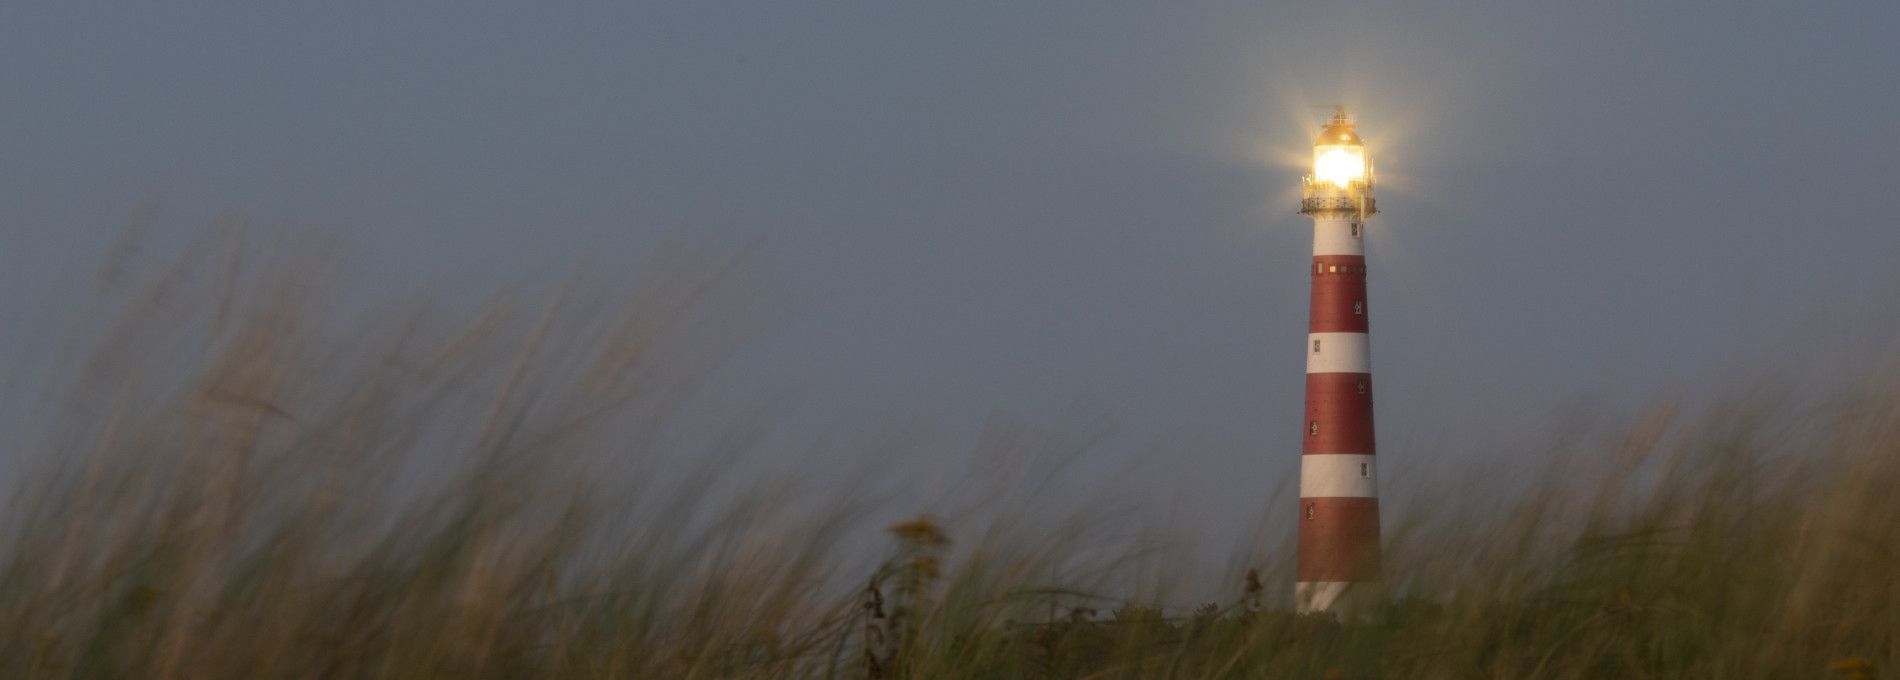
1346 600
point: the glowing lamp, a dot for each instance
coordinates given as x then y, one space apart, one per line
1339 157
1339 164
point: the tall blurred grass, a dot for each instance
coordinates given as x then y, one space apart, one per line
244 478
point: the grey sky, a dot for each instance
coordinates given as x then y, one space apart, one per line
1069 213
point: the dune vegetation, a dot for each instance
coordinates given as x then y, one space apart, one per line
245 478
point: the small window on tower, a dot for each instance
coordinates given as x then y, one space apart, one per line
1316 347
1359 308
1309 511
1362 386
1365 469
1355 230
1313 428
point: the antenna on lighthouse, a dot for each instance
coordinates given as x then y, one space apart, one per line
1341 113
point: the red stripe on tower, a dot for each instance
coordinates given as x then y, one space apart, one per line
1338 570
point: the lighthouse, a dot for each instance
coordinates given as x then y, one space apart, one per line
1338 562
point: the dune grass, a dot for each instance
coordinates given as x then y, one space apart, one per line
244 479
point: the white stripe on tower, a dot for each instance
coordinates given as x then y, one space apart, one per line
1334 236
1337 475
1338 353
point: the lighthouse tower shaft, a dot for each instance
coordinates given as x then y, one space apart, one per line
1338 564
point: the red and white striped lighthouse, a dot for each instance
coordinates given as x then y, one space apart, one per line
1338 568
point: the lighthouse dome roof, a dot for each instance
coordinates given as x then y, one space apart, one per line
1339 131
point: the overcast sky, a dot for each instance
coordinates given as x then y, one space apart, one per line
1066 213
